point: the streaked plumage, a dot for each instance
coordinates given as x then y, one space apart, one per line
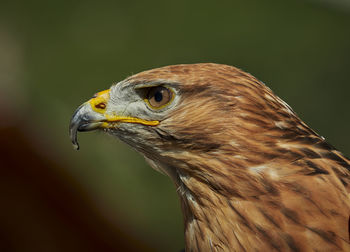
250 174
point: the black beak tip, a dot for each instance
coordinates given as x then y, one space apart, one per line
73 128
74 139
76 146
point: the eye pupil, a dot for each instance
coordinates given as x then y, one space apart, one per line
158 96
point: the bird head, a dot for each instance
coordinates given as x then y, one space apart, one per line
190 120
249 172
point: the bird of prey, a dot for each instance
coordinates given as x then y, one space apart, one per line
250 174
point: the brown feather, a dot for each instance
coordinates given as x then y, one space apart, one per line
250 174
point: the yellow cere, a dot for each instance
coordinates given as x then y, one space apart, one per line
99 102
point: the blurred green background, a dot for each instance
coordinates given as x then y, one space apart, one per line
54 55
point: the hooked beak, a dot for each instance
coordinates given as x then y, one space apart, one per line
84 119
89 116
92 115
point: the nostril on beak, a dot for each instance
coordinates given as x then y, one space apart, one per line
100 105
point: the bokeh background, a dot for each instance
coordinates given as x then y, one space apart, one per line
54 55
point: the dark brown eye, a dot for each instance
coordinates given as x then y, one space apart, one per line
159 96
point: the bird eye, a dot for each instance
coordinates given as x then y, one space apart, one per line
159 97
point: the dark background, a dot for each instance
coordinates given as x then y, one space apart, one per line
54 55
